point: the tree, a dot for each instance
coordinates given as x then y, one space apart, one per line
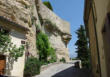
44 47
82 47
32 67
48 4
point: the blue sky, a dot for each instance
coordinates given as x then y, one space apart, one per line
71 11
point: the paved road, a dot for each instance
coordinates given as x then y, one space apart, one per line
64 70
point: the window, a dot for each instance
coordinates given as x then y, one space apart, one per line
22 42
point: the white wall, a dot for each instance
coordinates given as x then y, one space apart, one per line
18 67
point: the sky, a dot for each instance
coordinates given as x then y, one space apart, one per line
71 11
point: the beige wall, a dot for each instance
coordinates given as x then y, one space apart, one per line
101 10
93 46
102 7
18 66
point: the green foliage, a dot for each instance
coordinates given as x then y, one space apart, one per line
7 46
26 6
50 26
63 60
74 58
4 40
44 63
33 19
40 18
53 57
82 47
49 22
48 4
32 67
16 52
45 50
37 27
43 46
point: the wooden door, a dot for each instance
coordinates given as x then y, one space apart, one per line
2 64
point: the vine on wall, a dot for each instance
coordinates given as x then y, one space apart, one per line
7 47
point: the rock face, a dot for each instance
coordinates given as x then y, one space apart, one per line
17 15
21 12
23 16
57 30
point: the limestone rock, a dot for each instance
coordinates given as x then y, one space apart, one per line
57 30
21 12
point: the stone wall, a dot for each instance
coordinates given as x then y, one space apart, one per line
93 46
101 19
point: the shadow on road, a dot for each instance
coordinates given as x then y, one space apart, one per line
73 72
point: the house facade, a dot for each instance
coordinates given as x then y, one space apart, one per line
97 22
17 33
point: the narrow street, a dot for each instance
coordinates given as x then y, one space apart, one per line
64 70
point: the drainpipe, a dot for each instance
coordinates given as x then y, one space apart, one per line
98 68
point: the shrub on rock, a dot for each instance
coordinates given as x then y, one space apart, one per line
32 67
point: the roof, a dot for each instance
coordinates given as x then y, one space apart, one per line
87 8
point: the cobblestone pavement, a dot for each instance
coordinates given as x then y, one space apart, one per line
64 70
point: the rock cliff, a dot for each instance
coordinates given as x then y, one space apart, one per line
27 13
21 12
27 17
57 30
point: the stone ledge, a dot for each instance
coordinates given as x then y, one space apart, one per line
11 23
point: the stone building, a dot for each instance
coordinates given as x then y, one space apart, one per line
97 22
17 34
20 18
